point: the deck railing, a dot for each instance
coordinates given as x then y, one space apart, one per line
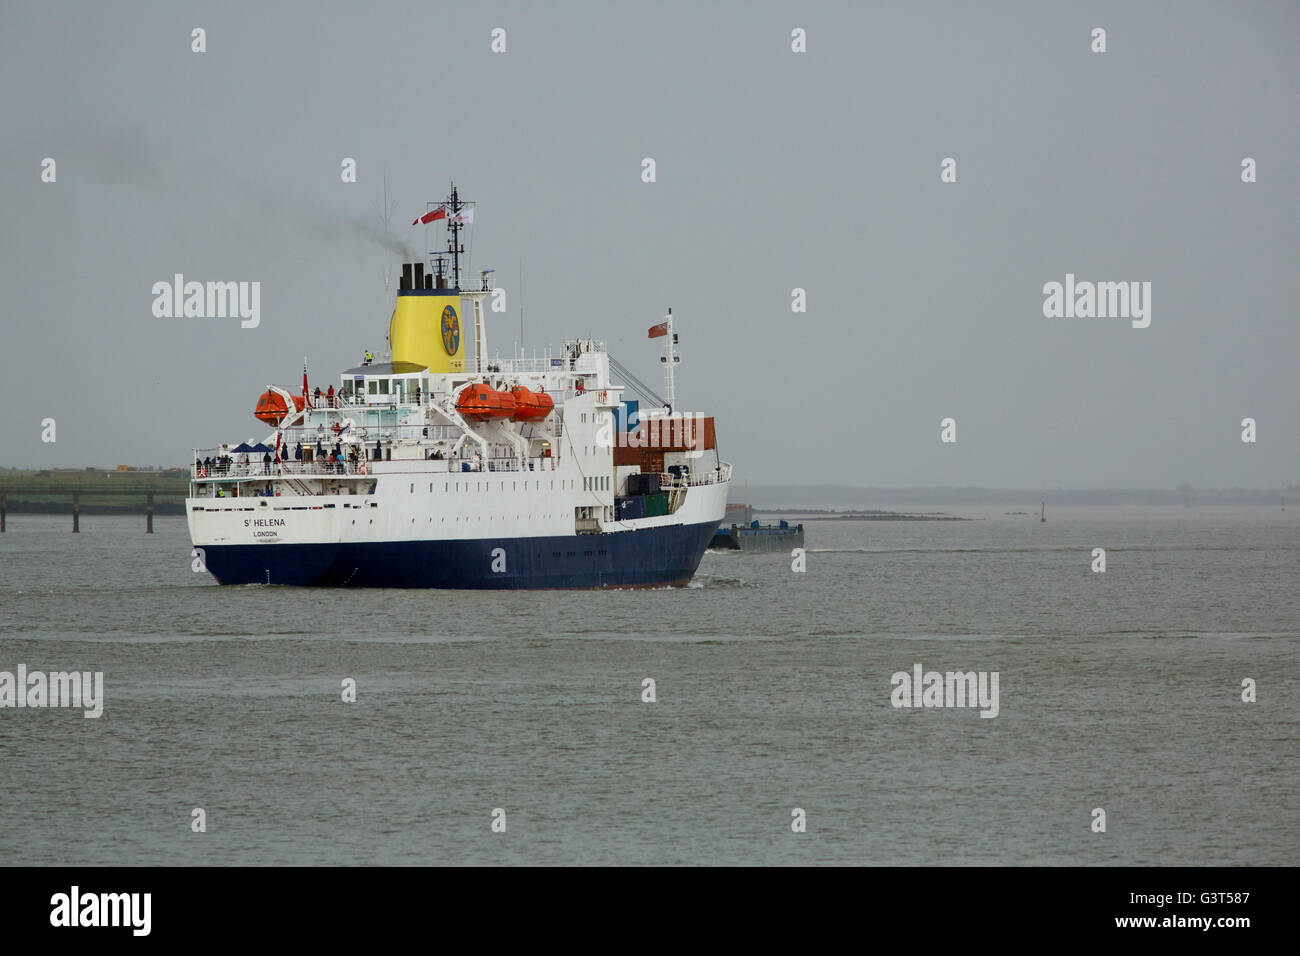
238 470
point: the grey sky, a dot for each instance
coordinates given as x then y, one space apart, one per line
775 170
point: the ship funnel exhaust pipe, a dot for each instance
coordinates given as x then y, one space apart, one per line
419 276
405 282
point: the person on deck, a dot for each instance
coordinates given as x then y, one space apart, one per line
266 463
329 397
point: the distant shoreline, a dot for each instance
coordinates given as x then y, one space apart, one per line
138 507
833 499
816 515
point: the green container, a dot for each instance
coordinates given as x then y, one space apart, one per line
656 505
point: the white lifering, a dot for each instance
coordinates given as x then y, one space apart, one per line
361 468
202 473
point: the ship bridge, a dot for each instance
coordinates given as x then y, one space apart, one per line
387 383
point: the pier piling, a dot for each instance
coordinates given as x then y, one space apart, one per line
3 503
148 520
76 513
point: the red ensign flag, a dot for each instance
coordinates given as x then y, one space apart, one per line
429 217
658 330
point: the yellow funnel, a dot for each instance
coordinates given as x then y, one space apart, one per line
426 329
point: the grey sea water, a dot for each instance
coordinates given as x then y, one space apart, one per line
1119 690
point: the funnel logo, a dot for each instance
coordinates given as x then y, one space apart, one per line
450 330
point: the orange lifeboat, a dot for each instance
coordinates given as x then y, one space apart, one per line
484 403
272 407
531 406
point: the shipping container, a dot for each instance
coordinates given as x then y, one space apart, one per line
675 433
643 484
625 508
627 416
621 476
656 504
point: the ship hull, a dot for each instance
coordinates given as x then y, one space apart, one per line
648 557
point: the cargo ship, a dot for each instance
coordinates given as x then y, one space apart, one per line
431 468
741 531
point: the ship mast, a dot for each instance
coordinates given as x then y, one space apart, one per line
454 206
457 219
669 360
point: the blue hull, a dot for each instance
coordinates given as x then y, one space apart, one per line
649 557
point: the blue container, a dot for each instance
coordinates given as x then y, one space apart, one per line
625 508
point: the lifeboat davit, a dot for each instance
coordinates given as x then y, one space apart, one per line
276 404
482 403
531 406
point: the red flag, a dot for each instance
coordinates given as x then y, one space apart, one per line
658 330
429 217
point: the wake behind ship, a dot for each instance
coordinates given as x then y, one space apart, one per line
421 472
